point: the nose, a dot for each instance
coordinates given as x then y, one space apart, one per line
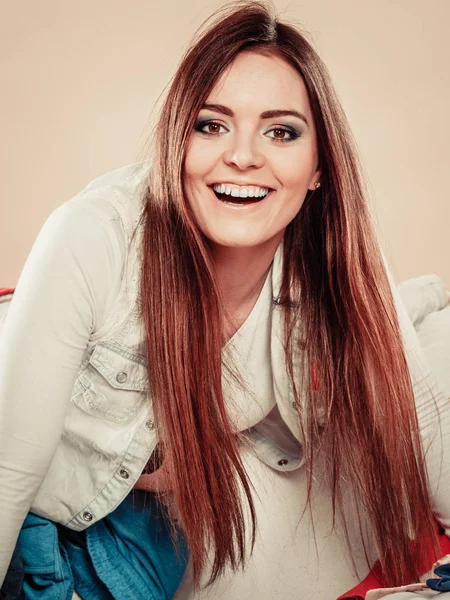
243 153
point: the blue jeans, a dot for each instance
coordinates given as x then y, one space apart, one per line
128 555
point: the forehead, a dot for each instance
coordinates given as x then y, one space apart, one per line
259 82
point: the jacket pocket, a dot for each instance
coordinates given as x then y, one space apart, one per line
113 386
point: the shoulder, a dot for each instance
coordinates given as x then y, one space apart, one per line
95 227
115 197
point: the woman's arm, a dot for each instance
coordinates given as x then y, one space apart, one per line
66 288
433 411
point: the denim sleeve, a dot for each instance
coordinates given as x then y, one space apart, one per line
433 412
68 283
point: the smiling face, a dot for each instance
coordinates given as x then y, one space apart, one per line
252 155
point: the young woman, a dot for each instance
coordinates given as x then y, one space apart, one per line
229 296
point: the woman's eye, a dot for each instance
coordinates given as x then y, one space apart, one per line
210 127
283 134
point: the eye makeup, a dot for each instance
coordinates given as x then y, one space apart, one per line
290 130
202 123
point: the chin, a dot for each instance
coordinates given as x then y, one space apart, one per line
236 242
233 243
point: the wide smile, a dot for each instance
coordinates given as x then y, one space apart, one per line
237 201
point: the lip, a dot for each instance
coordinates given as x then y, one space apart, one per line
249 207
241 184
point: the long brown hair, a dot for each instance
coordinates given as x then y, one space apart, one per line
349 328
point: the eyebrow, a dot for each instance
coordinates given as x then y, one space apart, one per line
267 114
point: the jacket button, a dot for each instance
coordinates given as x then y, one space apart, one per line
283 462
124 473
121 377
150 424
294 404
87 516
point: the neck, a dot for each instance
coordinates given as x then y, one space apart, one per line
241 273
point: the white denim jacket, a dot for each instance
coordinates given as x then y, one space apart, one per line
77 458
73 378
111 396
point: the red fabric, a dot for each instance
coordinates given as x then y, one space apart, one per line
6 291
375 578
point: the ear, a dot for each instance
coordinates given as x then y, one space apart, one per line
315 179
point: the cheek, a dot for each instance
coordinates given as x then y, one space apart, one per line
198 162
190 167
296 170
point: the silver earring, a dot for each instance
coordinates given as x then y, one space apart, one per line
317 185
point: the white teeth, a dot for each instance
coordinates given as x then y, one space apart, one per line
237 191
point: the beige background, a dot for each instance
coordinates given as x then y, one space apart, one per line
80 78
